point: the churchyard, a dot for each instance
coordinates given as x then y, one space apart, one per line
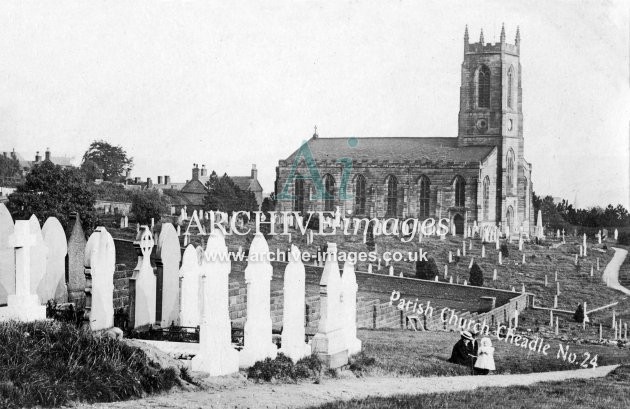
221 317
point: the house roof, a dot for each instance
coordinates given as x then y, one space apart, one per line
247 183
194 186
395 149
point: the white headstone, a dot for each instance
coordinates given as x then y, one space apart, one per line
370 268
23 304
330 343
616 234
142 297
494 275
100 263
7 255
391 271
349 288
216 355
168 256
258 344
39 252
190 279
53 284
483 251
293 344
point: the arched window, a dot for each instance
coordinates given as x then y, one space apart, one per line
392 196
425 197
510 170
329 198
360 195
460 191
483 87
486 198
510 90
298 196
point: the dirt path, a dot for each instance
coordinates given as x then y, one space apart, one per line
611 273
306 394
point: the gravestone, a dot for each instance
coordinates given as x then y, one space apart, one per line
100 263
24 304
39 253
258 343
216 355
53 284
190 276
7 256
76 255
142 284
329 343
168 256
349 288
293 344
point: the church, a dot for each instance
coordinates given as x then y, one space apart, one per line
479 176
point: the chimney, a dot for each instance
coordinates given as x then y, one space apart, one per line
204 171
47 154
167 180
149 183
4 154
37 157
137 180
13 154
128 173
254 172
195 172
159 180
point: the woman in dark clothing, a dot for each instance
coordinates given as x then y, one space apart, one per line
463 350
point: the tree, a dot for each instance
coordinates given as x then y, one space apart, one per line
51 191
225 196
149 204
476 275
426 270
111 160
9 167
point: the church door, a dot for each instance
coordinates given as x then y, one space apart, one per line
459 224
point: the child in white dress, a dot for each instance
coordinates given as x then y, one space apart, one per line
485 357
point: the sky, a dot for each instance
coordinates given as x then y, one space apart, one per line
230 84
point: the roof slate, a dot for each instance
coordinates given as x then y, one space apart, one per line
395 149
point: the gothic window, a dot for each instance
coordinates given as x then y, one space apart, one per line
392 196
483 87
510 171
486 198
510 89
298 196
460 191
425 196
360 195
329 198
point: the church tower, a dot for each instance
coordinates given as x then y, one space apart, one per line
490 114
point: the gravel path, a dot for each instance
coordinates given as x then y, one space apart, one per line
247 395
611 273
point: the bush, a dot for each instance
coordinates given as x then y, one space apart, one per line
283 369
51 363
504 250
579 314
426 270
624 239
476 275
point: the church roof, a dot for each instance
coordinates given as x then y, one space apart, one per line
395 149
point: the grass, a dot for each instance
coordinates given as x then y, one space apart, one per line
610 392
50 363
416 354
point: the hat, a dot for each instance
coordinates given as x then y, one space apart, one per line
466 334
